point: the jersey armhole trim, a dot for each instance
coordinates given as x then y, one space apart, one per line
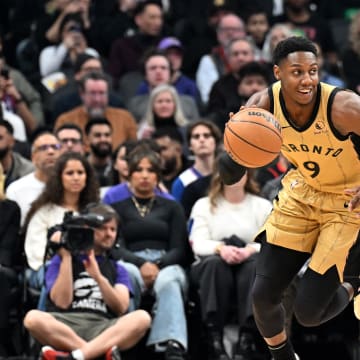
271 99
329 106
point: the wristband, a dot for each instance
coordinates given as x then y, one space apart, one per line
230 171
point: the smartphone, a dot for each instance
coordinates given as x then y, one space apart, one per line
75 28
4 73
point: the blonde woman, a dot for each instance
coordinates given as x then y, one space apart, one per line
223 227
9 258
164 110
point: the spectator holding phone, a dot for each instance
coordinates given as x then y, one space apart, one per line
23 85
13 103
61 57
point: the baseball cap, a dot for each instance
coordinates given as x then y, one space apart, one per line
169 42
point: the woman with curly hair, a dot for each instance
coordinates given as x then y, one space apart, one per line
71 187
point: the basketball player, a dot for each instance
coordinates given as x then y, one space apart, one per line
313 215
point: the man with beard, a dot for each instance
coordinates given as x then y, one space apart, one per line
173 159
15 166
99 136
44 152
94 93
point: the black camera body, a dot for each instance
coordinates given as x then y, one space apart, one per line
77 232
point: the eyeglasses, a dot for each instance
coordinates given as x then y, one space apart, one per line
204 135
46 147
70 140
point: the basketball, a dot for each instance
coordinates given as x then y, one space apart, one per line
252 137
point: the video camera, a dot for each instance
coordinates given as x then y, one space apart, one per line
77 232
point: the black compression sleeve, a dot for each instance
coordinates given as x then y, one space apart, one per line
230 171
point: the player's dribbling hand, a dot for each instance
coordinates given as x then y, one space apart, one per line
355 201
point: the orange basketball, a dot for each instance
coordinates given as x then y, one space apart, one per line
252 137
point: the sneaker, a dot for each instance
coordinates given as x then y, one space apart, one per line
215 347
174 351
245 348
113 354
48 353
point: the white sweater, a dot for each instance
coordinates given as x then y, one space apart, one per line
36 233
243 220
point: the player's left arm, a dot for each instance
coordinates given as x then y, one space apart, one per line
346 119
345 113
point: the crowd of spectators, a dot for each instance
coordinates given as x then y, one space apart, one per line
124 102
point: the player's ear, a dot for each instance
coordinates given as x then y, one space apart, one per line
276 72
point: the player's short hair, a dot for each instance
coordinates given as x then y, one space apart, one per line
291 45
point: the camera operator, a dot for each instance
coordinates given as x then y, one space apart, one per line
88 300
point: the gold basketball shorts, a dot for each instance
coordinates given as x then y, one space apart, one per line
308 220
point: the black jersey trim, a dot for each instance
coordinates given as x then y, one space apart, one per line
328 112
313 114
271 98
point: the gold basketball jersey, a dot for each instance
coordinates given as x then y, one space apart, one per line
326 159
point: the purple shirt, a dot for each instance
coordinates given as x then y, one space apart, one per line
52 271
121 192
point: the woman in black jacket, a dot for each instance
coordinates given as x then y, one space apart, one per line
9 263
154 246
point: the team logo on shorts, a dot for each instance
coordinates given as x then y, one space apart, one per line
293 184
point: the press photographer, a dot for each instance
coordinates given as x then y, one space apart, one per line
88 295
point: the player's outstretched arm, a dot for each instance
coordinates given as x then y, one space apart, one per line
230 171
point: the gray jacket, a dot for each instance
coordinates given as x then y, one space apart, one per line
19 168
30 95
